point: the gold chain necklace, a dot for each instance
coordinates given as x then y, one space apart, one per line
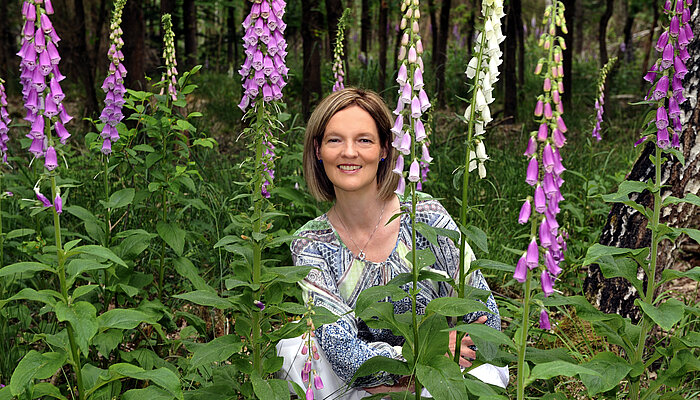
361 255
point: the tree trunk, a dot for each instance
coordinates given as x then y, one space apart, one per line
475 10
383 39
444 30
649 43
578 25
517 10
365 28
134 45
602 31
232 45
567 55
8 65
311 42
334 9
102 16
627 228
510 106
432 9
85 66
189 19
628 51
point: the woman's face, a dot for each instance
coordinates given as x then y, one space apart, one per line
351 150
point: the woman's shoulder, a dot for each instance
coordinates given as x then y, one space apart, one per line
317 230
426 204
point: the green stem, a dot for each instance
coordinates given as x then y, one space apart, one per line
164 218
2 237
648 297
108 232
257 230
525 323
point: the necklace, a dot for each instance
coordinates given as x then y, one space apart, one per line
361 255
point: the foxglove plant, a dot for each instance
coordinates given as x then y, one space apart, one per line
170 75
310 352
544 172
113 84
339 53
4 122
263 74
600 98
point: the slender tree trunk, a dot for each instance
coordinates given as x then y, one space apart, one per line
627 228
383 39
510 111
602 32
365 28
7 42
134 45
517 10
86 66
444 30
578 24
475 10
567 55
397 45
627 37
103 15
311 39
189 19
334 9
232 45
434 33
649 44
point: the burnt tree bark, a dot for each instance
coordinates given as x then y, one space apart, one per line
383 41
134 45
510 106
627 228
311 42
189 19
602 32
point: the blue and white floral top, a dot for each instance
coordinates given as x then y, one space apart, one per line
340 278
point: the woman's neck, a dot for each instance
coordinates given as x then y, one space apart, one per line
361 211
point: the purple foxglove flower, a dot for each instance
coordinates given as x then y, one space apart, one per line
547 86
398 169
106 147
682 39
532 171
674 28
50 110
560 124
539 108
307 366
318 383
37 130
412 55
688 32
520 274
538 67
540 199
662 139
560 87
525 211
548 158
684 55
61 132
531 146
425 154
662 42
545 236
43 199
559 138
398 125
304 349
544 320
46 25
310 393
402 75
558 167
551 264
267 93
542 132
547 284
547 110
418 79
677 86
677 127
675 141
51 161
668 5
661 118
405 147
680 68
415 107
420 131
424 103
37 147
401 187
259 304
548 184
58 203
304 376
685 16
414 171
406 93
555 97
532 257
661 89
667 56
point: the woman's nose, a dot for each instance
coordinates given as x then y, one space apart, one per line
349 149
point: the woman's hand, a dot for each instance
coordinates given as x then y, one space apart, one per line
404 384
467 355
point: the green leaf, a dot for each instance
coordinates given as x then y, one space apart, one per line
476 236
666 315
598 250
98 251
291 274
558 368
481 332
424 258
693 233
443 379
44 390
144 147
119 199
613 267
83 290
381 363
612 370
121 318
34 365
481 263
205 298
172 235
24 268
669 274
81 316
375 294
219 349
273 389
30 294
187 270
150 393
162 377
107 341
454 306
16 233
624 190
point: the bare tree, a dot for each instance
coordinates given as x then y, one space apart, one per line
311 41
189 19
134 45
365 28
602 32
510 111
383 39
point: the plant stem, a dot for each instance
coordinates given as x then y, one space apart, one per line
161 270
648 297
108 231
257 229
525 323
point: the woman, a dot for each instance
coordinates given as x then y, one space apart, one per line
348 159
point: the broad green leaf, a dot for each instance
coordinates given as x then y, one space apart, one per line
145 358
481 332
162 377
44 390
121 318
624 190
374 294
217 391
150 393
612 370
205 298
83 290
624 267
443 379
187 270
81 316
269 389
82 213
34 365
119 199
424 258
219 349
666 315
5 393
381 363
77 266
693 233
454 306
669 274
481 263
482 390
13 234
24 268
476 236
558 368
107 341
30 294
598 250
98 251
172 235
291 274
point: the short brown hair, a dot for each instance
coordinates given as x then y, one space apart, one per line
316 179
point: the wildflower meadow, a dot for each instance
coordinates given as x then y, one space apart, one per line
151 183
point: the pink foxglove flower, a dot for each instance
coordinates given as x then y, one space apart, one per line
4 122
113 84
544 320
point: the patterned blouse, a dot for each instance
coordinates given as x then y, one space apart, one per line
340 278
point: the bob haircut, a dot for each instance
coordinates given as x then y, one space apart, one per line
316 179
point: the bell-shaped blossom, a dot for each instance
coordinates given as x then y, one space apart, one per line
547 283
398 169
58 203
532 172
544 320
532 257
43 199
525 211
4 122
520 274
414 171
